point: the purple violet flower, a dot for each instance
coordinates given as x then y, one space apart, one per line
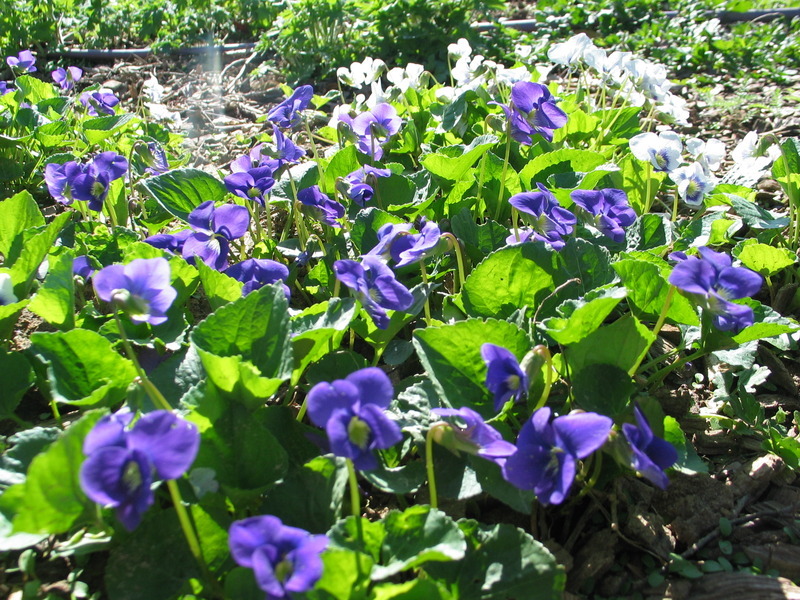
154 158
253 184
386 236
320 206
286 560
123 462
213 229
172 242
287 114
550 221
375 286
352 411
374 128
82 267
141 289
650 455
712 283
67 78
533 110
5 88
548 451
413 247
99 102
610 210
60 178
92 184
359 185
282 151
258 272
505 378
24 62
471 434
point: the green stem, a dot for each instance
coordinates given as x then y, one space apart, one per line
303 407
254 208
659 324
429 466
648 173
155 394
503 174
379 350
459 259
675 202
311 141
548 375
481 181
112 215
56 413
597 459
355 502
427 296
659 376
302 235
189 533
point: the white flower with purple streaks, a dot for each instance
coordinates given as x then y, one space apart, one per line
693 183
662 150
709 154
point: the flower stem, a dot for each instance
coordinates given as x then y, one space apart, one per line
429 467
311 141
659 324
155 395
544 352
459 260
190 534
503 174
427 297
302 234
355 501
648 173
659 376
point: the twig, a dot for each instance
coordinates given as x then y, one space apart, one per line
703 541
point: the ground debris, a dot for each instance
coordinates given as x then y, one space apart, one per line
723 586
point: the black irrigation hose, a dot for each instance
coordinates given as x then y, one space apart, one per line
725 16
127 53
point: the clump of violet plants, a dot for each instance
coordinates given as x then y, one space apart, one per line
448 294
